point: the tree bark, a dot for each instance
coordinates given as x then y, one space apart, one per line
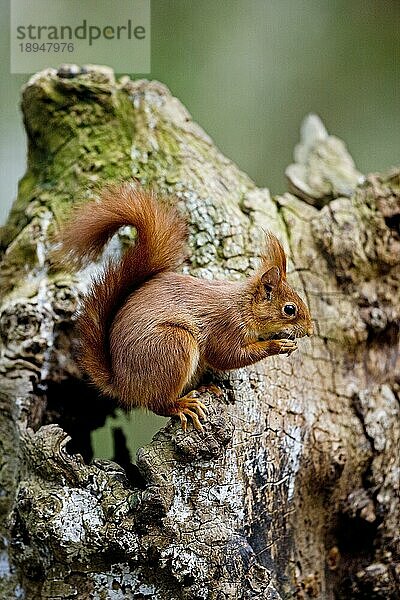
293 489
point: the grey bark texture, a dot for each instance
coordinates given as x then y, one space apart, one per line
293 489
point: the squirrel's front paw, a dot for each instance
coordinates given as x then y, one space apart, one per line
285 346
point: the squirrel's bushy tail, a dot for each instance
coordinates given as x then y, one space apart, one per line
160 246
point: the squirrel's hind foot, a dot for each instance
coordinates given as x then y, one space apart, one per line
212 389
191 406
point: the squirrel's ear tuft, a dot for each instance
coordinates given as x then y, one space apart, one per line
274 255
271 278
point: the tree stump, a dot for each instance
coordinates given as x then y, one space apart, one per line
293 489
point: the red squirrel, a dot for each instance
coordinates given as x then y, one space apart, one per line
147 333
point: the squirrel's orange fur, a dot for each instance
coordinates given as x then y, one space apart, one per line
146 332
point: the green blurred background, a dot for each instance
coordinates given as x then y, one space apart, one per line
248 71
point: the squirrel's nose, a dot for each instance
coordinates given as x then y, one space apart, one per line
310 330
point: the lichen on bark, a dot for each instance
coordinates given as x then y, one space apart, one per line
293 488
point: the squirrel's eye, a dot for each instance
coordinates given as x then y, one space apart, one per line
289 309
